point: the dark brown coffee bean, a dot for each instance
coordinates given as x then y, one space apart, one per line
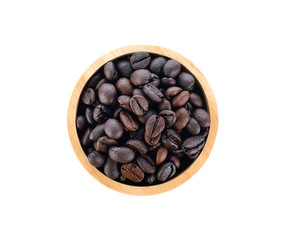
171 68
151 179
192 145
151 141
172 91
204 132
202 117
88 96
169 117
128 121
145 117
161 155
192 127
196 100
104 143
101 113
94 80
157 65
110 71
96 159
89 116
171 139
186 81
107 93
166 171
124 86
181 99
111 169
168 81
113 129
85 141
146 163
154 80
189 108
140 77
182 116
132 172
121 154
140 60
138 91
193 156
154 126
81 122
137 145
139 105
124 102
175 160
117 112
154 147
100 83
165 105
138 135
124 68
97 132
153 93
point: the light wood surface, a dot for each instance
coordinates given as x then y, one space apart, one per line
189 172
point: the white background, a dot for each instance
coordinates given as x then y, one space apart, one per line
246 189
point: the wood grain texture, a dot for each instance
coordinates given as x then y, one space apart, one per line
189 172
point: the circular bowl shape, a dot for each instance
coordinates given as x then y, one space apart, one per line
183 176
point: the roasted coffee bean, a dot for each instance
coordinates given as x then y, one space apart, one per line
166 171
121 154
111 169
96 159
132 172
171 139
145 117
192 127
137 145
139 105
94 80
138 91
189 108
196 100
146 163
100 113
85 141
181 99
182 116
151 141
100 83
124 68
104 143
81 122
151 179
168 81
204 132
169 117
107 93
113 129
154 147
165 105
175 160
194 156
154 80
97 132
202 117
153 93
89 149
128 121
161 155
140 77
110 71
171 68
89 116
192 145
117 112
138 135
124 86
157 65
186 81
88 96
140 60
172 92
124 102
154 126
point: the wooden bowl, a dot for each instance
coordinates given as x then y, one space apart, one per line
185 175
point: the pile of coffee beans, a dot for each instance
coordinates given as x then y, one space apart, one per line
142 119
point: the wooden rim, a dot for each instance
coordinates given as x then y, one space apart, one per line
146 190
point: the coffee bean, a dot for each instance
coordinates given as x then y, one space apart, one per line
122 178
104 143
181 99
189 108
97 132
153 93
172 91
139 105
154 147
154 126
171 139
192 127
186 81
124 68
140 60
175 160
94 80
85 138
138 135
151 141
146 163
113 129
151 179
204 132
157 65
96 159
128 121
121 154
192 145
100 113
132 172
88 96
89 149
107 93
166 171
137 145
161 155
138 91
145 117
89 116
110 71
100 83
168 81
111 169
194 156
202 117
117 112
182 116
124 102
169 117
140 77
124 86
165 105
196 100
154 80
171 68
81 122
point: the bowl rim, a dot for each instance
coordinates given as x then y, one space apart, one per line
186 174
